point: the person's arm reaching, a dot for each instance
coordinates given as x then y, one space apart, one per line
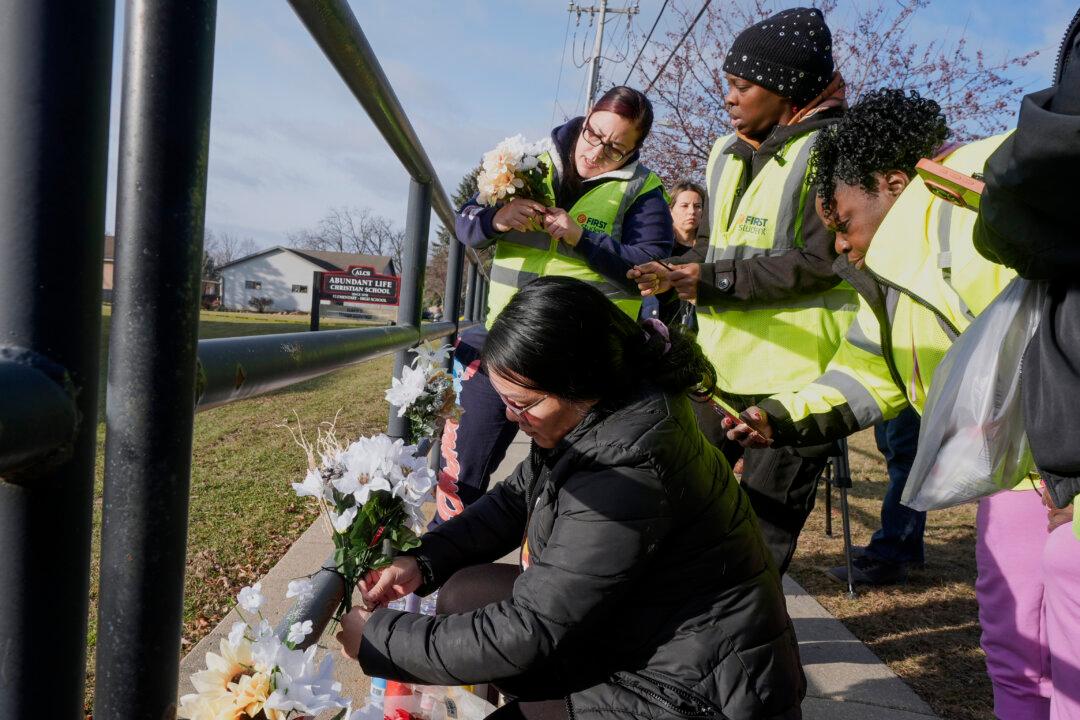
597 549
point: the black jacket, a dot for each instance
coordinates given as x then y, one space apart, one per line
649 592
1027 221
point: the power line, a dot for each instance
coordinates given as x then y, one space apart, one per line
646 43
562 63
678 44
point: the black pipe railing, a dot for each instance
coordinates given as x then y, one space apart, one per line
161 207
55 69
336 30
55 74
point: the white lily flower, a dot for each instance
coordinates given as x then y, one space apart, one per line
344 520
429 356
266 653
364 493
251 597
404 392
236 634
298 631
313 485
303 686
302 588
264 630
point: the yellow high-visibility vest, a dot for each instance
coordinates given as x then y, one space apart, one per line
935 284
523 257
766 349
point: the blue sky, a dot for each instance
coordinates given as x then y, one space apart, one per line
288 141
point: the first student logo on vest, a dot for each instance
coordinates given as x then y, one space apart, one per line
591 223
752 225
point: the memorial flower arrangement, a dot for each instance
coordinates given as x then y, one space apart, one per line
425 393
514 168
370 491
370 494
257 676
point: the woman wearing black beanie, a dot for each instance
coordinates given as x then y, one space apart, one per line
771 311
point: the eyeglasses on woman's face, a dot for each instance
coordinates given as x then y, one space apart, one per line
520 411
610 152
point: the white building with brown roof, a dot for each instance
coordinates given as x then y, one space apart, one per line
285 275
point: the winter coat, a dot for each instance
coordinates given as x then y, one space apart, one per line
1027 221
648 592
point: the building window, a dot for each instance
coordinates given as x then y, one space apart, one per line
253 285
299 288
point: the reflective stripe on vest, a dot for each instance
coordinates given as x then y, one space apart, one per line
772 347
523 257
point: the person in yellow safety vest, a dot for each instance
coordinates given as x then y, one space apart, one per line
771 310
610 212
924 284
870 155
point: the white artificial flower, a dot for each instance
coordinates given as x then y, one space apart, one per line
416 485
251 597
302 588
430 357
313 485
348 483
266 653
364 493
303 686
344 520
264 630
236 634
404 392
299 631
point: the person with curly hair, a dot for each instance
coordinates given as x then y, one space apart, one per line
862 165
935 268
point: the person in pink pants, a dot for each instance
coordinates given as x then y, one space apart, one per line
1028 591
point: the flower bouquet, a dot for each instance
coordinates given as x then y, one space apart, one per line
425 393
514 168
257 676
371 491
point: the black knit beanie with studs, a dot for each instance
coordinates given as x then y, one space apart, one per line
789 53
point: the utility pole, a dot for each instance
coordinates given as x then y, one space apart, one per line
594 63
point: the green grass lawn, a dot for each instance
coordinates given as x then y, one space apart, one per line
243 515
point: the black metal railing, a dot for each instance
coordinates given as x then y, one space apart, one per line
55 73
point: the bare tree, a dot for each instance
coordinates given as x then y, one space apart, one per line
873 48
353 230
223 247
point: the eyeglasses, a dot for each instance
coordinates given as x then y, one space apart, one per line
520 411
592 137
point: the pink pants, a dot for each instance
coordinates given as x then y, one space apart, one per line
1029 608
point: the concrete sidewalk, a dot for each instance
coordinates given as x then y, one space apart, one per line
846 681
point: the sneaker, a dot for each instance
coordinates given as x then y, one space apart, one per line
867 571
859 551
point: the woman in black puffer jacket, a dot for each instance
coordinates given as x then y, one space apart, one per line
644 588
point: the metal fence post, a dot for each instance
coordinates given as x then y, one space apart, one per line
452 297
55 73
164 140
417 223
316 300
470 294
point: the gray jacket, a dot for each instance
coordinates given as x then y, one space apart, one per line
649 593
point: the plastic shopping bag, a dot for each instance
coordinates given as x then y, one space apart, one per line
972 442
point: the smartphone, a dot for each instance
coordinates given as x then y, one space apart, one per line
950 185
722 408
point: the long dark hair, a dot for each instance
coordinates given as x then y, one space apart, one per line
561 336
